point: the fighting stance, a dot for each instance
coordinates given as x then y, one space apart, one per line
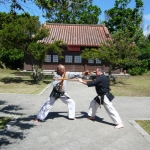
104 97
59 92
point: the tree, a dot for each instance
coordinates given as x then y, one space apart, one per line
148 50
117 52
38 52
70 11
23 33
143 44
121 16
9 57
17 34
144 49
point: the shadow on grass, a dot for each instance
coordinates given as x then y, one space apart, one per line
11 80
8 80
16 80
16 128
118 83
47 82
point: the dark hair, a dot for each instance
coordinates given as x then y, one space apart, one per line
100 69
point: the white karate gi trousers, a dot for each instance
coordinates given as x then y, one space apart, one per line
50 102
108 107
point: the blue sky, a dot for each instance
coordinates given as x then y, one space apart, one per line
103 4
107 4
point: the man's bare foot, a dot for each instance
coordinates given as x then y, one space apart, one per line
72 118
36 120
120 125
91 118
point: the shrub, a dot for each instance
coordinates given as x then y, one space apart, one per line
139 69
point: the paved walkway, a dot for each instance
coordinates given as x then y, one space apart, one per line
59 133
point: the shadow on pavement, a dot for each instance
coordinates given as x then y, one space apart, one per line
53 115
15 129
79 115
98 119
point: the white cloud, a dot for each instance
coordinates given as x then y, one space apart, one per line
147 17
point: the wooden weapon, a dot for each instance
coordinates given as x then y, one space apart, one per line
61 82
92 72
69 79
64 78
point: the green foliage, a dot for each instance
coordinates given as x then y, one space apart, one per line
47 77
16 33
134 71
144 48
21 35
21 31
121 16
39 50
57 47
4 17
117 52
4 121
72 12
138 69
11 58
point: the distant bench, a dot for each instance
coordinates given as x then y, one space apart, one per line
121 75
112 77
48 72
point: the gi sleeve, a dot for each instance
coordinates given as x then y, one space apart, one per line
74 75
93 83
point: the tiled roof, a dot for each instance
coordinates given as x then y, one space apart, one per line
77 34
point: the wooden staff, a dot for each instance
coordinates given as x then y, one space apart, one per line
92 72
70 79
61 83
88 73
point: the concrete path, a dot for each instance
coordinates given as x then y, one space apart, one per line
59 133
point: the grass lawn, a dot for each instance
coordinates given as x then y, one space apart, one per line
10 83
133 86
145 124
4 121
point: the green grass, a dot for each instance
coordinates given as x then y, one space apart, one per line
10 83
133 86
145 124
4 121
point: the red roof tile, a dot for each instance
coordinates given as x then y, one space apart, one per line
77 34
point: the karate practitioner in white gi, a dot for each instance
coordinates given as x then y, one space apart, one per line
102 88
56 95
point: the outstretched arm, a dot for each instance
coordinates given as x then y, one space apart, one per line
84 82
